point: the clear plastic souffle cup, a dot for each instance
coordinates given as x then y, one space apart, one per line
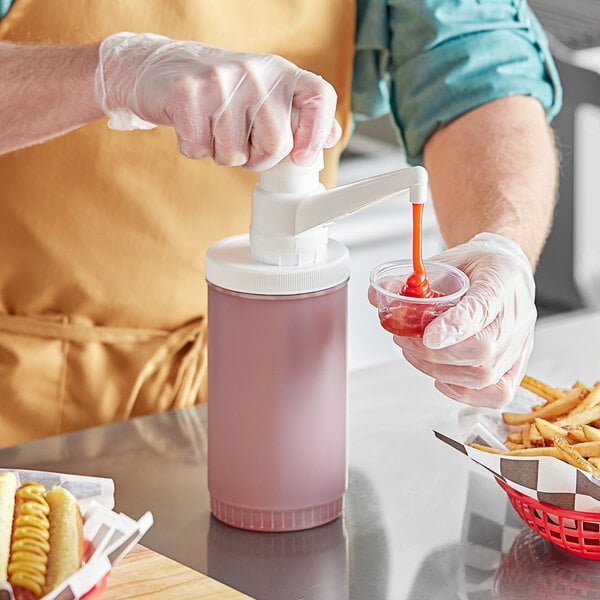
407 316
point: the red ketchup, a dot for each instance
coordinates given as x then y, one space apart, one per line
416 285
410 319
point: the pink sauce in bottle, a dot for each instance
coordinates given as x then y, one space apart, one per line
277 408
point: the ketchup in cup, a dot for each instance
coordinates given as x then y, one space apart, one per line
410 294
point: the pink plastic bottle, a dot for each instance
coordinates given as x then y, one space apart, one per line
277 416
277 355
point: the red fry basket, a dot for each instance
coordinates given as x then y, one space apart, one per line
575 531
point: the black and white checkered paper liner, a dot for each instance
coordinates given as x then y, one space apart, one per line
110 535
544 478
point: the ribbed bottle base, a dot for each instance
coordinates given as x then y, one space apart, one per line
280 520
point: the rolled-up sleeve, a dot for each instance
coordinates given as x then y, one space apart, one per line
434 60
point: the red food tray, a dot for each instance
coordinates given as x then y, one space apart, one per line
575 531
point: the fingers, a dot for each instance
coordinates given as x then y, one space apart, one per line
479 349
490 384
477 362
300 122
315 102
233 107
192 124
334 135
242 114
270 135
193 134
471 376
498 394
478 308
372 296
493 396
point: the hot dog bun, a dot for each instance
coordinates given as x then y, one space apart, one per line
66 537
8 486
46 543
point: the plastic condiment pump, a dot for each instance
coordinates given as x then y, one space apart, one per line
277 351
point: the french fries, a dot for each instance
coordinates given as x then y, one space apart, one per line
573 457
591 433
564 426
554 408
543 390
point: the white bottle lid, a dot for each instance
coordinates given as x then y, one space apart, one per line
230 265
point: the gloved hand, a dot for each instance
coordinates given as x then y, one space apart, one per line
230 106
477 351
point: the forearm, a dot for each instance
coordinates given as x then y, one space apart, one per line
495 169
45 91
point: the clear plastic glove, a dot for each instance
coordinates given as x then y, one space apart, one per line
233 107
478 350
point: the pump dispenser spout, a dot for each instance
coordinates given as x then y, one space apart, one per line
291 209
326 207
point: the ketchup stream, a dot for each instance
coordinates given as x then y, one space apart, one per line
416 285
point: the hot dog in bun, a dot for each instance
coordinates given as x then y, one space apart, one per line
41 536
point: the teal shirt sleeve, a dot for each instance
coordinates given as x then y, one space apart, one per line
429 61
4 6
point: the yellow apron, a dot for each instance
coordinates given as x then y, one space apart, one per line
103 233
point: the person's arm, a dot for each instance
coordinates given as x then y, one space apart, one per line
45 91
493 174
233 107
495 169
472 92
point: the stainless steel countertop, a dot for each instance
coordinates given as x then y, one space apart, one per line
421 521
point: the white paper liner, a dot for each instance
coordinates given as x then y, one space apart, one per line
543 478
110 535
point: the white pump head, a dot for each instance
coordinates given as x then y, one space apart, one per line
291 209
286 177
275 201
